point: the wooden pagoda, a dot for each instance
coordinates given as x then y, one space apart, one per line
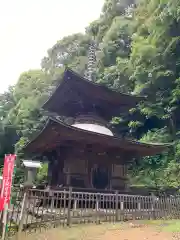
82 151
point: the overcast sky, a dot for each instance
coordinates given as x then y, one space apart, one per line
29 27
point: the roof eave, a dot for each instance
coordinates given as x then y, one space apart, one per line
72 73
158 147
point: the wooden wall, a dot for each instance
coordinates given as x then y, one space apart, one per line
73 167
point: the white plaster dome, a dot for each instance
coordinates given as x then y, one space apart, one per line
93 128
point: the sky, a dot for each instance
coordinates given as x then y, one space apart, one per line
28 28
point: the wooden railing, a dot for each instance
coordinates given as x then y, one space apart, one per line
36 209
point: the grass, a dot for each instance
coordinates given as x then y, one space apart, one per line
165 225
80 232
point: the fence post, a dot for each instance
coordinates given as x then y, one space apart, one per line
139 205
97 209
75 204
51 194
4 221
22 213
69 207
122 206
153 205
1 222
116 206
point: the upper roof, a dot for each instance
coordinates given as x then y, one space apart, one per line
75 93
57 133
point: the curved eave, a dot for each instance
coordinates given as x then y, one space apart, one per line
95 90
57 133
103 88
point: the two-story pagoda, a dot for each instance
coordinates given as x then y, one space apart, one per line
82 151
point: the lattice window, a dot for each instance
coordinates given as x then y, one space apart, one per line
117 183
78 166
118 170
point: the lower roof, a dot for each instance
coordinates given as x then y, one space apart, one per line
57 133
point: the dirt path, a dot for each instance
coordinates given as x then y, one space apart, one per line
105 232
136 234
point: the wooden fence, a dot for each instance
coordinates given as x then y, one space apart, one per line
36 209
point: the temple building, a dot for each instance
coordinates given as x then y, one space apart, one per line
82 151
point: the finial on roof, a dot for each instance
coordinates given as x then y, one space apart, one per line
91 60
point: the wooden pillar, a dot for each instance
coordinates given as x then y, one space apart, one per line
68 176
126 161
60 166
50 168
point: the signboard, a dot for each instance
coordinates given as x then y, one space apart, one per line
8 169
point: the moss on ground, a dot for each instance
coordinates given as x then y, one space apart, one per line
165 225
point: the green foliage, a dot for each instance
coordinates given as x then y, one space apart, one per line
138 51
155 136
70 52
42 174
134 124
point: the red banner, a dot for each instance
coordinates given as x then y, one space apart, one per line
8 169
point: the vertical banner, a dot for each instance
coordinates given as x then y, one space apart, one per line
6 185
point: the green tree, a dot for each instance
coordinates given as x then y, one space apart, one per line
70 52
154 59
138 52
